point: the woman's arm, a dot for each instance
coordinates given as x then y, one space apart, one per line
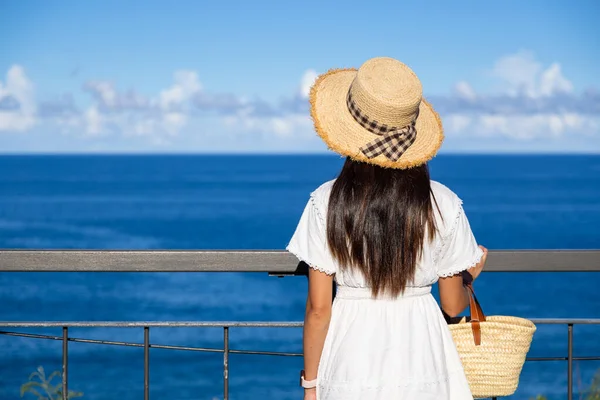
316 320
453 295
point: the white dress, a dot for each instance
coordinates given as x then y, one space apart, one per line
388 349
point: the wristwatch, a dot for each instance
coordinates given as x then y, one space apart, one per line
307 384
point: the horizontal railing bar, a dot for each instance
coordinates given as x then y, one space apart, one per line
271 261
231 324
151 324
266 353
592 358
216 350
154 346
106 342
564 321
186 348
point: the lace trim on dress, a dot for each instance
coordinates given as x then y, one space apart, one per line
315 267
316 208
459 268
446 238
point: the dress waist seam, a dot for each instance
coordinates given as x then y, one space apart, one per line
357 293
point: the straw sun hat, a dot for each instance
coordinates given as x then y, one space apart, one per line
376 114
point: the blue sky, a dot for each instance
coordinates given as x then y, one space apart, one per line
232 76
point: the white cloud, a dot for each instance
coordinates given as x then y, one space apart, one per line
144 127
130 113
110 99
19 90
105 91
464 91
519 71
289 118
552 82
308 79
522 127
522 74
457 123
93 121
186 85
297 126
535 103
173 122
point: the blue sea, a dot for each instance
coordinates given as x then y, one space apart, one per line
254 202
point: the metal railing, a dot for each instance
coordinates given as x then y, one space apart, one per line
147 345
277 263
272 261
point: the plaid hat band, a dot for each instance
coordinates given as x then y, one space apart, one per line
394 141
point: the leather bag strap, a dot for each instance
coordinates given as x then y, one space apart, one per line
477 315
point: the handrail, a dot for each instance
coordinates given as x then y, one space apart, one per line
275 262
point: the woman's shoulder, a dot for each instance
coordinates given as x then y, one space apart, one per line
324 188
447 202
320 197
323 191
443 194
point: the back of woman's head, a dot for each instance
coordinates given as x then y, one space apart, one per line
377 222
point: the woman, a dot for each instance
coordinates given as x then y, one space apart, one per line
385 233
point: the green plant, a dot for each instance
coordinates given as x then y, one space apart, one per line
591 393
43 388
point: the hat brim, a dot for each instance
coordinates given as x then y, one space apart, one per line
342 134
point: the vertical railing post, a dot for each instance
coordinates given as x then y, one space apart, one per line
146 363
65 363
225 363
570 364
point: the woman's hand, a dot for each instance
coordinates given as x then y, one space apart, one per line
310 394
476 270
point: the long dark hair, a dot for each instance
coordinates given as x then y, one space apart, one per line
377 222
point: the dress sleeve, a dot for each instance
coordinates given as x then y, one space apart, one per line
309 244
459 250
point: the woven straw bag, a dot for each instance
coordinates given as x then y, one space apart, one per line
492 349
